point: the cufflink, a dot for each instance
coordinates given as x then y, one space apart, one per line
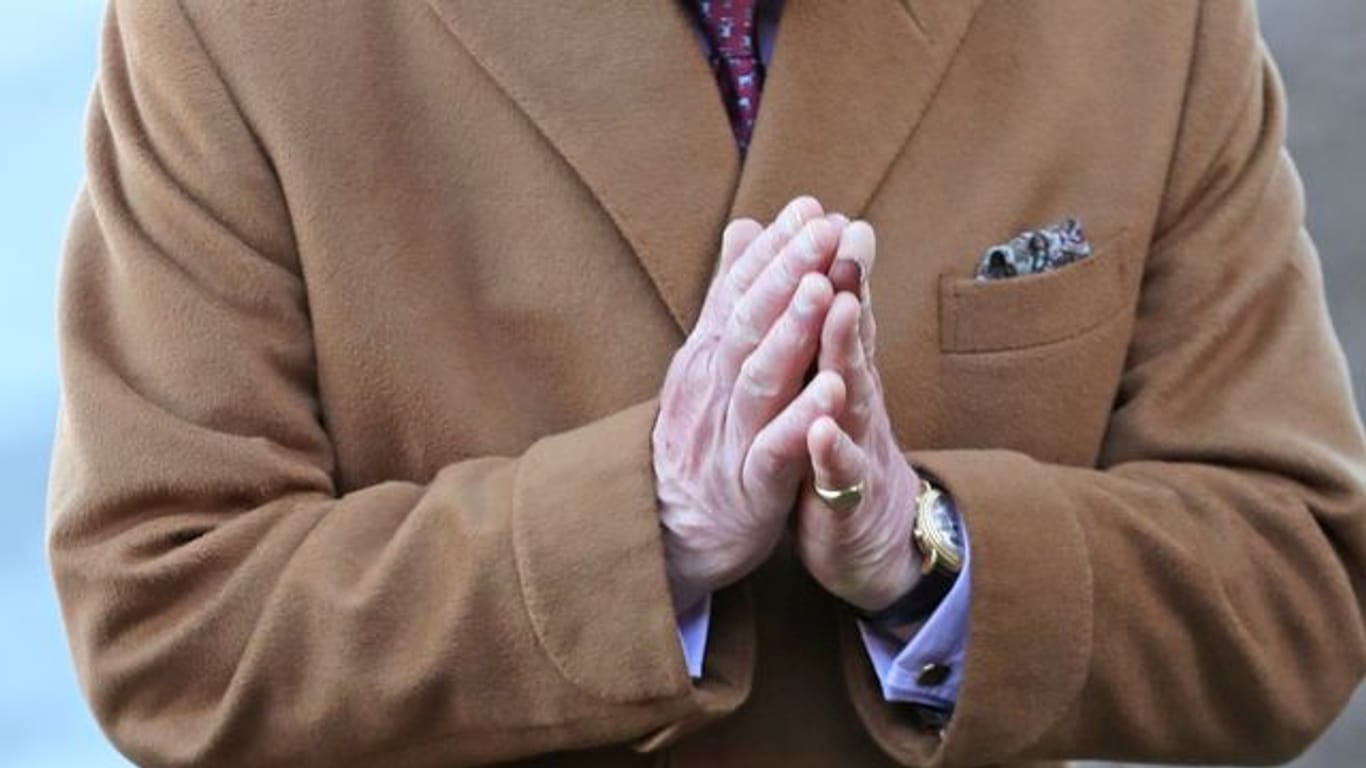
932 675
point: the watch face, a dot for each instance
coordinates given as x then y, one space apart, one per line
945 523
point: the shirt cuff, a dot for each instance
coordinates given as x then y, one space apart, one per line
934 654
692 635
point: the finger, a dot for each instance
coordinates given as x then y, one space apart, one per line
735 240
867 327
756 311
841 351
858 246
844 273
837 461
778 456
750 263
857 253
845 277
772 374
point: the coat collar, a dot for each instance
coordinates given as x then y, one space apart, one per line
624 91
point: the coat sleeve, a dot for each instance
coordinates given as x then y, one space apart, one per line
1197 596
225 603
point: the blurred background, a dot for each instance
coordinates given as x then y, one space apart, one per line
47 55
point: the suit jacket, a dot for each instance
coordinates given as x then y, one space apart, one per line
364 307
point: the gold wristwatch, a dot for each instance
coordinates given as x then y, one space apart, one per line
938 532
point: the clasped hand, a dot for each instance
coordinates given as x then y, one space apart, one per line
742 435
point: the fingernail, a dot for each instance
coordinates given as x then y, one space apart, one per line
792 220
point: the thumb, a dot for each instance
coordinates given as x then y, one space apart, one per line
837 462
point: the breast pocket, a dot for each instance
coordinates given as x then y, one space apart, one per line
1017 313
1033 363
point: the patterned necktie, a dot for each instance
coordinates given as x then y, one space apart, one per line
729 26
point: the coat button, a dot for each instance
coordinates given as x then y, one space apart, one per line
933 674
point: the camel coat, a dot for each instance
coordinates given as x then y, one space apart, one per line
365 304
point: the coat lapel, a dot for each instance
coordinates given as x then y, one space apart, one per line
848 83
624 93
626 96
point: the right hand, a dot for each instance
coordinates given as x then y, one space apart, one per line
729 444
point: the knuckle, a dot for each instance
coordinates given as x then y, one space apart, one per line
860 410
762 249
780 273
740 278
745 270
756 379
713 312
791 266
788 332
766 461
742 329
818 398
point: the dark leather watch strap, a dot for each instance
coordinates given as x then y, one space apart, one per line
918 602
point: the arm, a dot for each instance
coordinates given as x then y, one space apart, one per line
1197 597
227 603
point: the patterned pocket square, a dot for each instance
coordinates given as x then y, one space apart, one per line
1035 251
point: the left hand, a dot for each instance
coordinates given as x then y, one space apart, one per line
864 555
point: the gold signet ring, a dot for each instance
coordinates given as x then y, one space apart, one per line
840 499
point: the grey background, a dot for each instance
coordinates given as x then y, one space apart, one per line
46 60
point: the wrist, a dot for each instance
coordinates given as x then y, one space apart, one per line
882 615
684 594
683 571
899 575
938 553
697 562
899 569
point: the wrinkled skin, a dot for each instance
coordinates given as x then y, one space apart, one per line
864 556
741 434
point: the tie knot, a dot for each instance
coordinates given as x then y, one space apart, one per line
729 25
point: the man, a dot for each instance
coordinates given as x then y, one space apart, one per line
432 368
